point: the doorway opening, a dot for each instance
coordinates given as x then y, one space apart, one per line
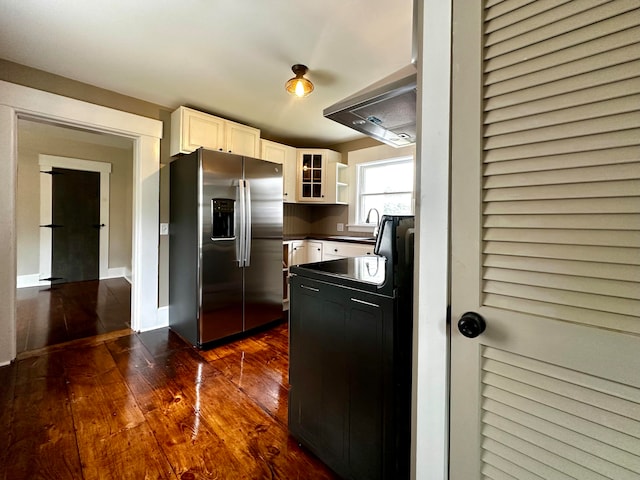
75 215
17 101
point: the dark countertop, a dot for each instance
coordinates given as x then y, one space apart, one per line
333 238
366 273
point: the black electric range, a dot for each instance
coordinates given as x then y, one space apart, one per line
366 273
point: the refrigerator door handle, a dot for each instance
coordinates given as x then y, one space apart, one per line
240 243
247 240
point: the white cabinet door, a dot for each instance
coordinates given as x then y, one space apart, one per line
314 251
191 130
318 176
298 252
242 139
542 227
286 156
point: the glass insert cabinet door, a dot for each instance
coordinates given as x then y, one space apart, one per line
312 165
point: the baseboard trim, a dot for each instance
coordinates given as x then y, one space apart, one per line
33 280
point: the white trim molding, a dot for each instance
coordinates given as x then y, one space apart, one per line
17 101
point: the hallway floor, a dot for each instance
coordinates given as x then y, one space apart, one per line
70 311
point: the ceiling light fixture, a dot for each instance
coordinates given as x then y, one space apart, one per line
298 85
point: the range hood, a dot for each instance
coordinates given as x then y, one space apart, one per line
385 110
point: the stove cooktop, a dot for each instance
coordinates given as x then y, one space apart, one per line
365 272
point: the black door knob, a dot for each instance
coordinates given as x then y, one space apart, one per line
471 324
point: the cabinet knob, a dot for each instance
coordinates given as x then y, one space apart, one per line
335 249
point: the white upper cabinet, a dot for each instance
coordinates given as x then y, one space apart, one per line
191 129
242 139
318 176
286 156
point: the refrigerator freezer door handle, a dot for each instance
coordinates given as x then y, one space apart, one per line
240 242
247 240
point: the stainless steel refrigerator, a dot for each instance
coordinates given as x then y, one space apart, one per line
225 245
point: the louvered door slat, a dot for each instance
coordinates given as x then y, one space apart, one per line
618 389
583 222
505 391
612 271
588 458
551 162
618 15
568 115
602 142
567 79
597 303
536 16
553 466
496 8
587 253
558 418
570 421
622 188
621 399
569 131
573 99
557 206
563 176
609 238
521 465
491 471
578 315
612 288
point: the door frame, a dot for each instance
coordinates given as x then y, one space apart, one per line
17 101
48 163
431 334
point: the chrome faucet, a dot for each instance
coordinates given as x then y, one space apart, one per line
368 220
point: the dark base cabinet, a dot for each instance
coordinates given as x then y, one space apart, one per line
349 400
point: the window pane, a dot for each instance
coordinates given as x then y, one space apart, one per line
388 204
387 177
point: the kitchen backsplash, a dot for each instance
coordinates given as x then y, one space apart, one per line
301 219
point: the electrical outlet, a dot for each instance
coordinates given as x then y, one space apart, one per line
340 227
164 229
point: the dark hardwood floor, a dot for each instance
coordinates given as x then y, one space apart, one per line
69 311
149 406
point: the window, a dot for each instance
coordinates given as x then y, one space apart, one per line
385 185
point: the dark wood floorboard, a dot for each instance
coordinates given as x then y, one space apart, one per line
149 405
70 311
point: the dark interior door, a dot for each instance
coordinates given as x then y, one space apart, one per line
75 205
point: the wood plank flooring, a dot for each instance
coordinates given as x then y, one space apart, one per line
149 406
69 311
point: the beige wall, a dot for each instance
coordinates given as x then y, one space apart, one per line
30 77
35 139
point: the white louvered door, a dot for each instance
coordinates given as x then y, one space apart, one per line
546 239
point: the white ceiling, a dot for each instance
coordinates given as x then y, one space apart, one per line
227 57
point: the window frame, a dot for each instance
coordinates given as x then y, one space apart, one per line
361 167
